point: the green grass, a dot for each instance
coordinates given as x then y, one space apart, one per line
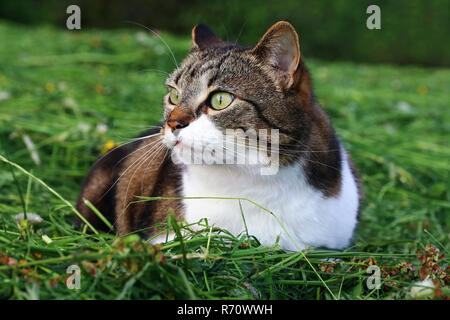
57 86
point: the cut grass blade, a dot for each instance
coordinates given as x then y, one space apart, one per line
259 206
2 158
101 216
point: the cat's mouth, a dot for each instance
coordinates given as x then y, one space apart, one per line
177 143
169 139
174 143
195 148
181 145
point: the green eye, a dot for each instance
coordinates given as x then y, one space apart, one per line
174 96
221 100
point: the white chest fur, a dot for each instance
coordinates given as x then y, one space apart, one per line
308 217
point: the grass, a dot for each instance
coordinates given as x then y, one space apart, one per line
63 89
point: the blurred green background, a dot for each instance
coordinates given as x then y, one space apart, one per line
413 31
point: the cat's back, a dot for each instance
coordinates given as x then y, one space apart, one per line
140 168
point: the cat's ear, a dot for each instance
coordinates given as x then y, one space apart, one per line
279 48
203 37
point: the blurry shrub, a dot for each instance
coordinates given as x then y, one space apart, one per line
413 31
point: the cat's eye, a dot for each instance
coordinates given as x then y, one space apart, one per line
174 96
221 100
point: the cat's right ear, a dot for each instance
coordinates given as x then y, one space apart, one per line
203 37
280 50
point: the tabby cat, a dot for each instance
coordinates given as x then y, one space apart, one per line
311 200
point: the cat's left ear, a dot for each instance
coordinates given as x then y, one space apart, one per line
279 48
203 37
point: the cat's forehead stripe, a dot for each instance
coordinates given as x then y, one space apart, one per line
198 65
217 68
202 92
178 76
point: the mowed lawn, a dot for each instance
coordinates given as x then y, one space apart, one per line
73 94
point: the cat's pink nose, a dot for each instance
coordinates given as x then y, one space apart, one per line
179 119
176 124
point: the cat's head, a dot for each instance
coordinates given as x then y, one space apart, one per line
222 86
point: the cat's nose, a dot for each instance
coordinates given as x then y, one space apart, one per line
176 124
179 119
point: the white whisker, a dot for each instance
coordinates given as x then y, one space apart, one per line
156 34
123 173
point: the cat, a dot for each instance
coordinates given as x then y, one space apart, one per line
311 200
